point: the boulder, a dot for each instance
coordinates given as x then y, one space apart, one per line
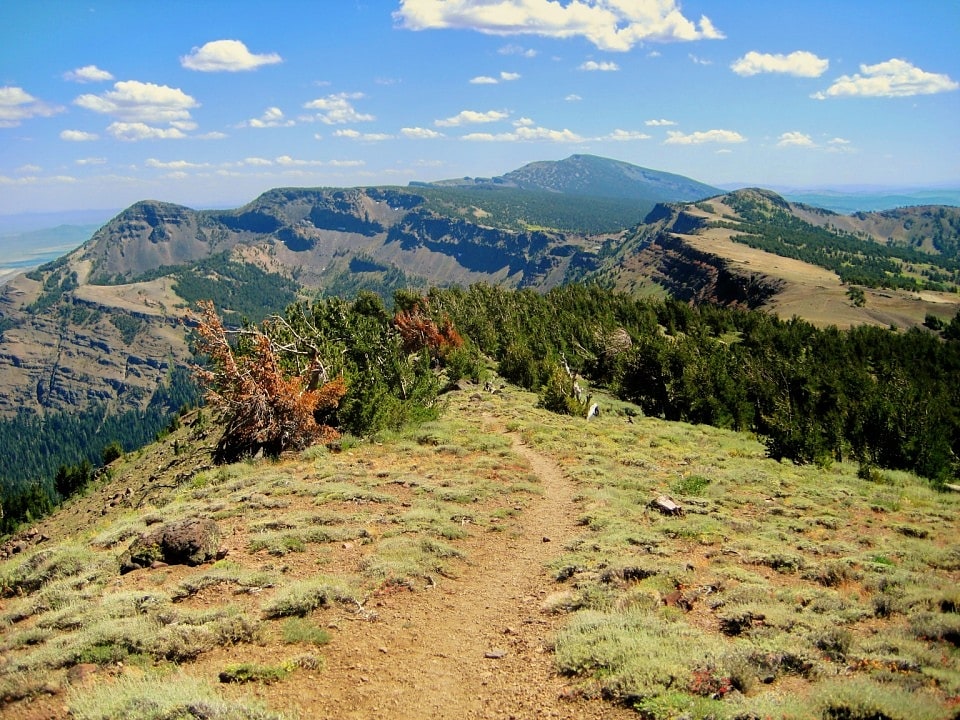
186 542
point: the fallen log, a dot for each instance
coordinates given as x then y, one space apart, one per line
666 506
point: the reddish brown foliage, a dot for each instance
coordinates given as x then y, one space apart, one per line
419 331
262 408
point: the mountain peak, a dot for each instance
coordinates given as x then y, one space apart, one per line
594 176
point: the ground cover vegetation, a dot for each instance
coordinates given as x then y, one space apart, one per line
767 224
783 590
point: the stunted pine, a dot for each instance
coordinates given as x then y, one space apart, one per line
262 406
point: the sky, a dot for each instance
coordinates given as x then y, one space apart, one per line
209 103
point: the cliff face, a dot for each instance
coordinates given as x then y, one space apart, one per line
104 324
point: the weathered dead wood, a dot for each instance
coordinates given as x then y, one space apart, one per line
666 506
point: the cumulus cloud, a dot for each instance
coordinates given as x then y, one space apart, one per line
132 101
517 50
573 97
271 118
893 78
659 123
78 136
525 131
34 180
29 169
419 133
226 56
257 161
17 105
471 117
174 164
91 161
800 64
608 25
675 137
87 74
132 132
795 139
338 110
288 161
625 135
487 80
352 134
594 66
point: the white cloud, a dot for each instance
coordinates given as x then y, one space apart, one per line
346 163
795 139
487 80
272 117
226 56
87 74
675 137
34 180
337 109
526 133
893 78
573 97
78 136
659 123
288 161
352 134
91 161
838 141
132 132
517 50
17 105
625 135
257 161
174 164
133 101
593 66
608 24
800 64
419 133
840 145
31 169
465 117
699 61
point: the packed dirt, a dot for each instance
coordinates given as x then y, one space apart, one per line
476 646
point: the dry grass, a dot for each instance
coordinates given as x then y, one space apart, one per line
775 581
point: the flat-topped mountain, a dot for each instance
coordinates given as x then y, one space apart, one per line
104 324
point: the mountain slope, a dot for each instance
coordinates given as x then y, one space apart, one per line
487 565
593 176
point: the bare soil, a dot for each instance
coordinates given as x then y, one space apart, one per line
475 646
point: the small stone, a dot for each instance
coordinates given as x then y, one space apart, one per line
546 539
495 654
383 650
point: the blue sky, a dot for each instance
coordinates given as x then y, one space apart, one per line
103 103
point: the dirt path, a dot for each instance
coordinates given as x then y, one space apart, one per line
436 653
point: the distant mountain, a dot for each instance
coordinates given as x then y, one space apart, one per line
103 325
593 176
854 202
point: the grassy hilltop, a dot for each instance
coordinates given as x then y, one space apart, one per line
499 561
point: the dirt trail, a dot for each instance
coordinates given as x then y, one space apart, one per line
428 654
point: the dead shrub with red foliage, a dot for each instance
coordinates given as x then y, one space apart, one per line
262 408
419 331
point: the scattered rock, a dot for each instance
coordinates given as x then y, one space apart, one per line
187 542
495 654
667 506
546 539
79 673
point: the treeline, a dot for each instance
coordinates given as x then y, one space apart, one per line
43 459
884 398
856 261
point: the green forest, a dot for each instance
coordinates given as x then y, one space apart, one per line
855 260
886 399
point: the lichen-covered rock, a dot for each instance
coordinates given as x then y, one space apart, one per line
186 542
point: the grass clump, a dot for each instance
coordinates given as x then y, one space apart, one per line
178 697
252 672
299 631
409 561
861 698
302 597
